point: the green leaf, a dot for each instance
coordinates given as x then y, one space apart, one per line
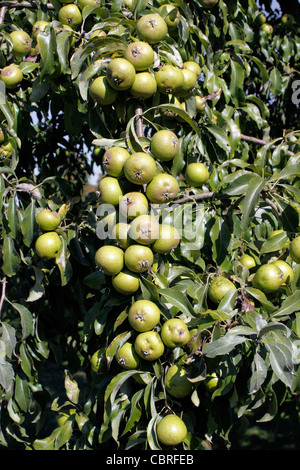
276 82
71 387
11 259
274 243
249 202
58 438
26 319
236 81
224 345
7 375
12 217
28 224
259 373
178 300
280 354
22 393
47 47
8 338
220 236
290 305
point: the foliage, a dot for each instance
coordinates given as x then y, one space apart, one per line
66 308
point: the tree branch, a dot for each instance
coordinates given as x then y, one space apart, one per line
12 4
255 140
4 281
194 197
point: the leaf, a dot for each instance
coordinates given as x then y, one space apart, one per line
274 243
250 201
276 82
112 390
47 48
8 337
236 81
280 354
220 236
12 217
26 319
6 375
178 300
224 344
259 373
22 393
290 305
58 438
71 387
11 259
28 224
38 290
260 297
135 412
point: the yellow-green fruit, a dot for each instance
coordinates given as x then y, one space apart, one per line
261 19
151 28
165 145
194 66
120 233
12 76
98 361
219 287
48 220
177 383
196 174
172 19
21 42
211 381
113 161
48 245
110 190
171 430
168 239
120 74
286 270
126 282
175 333
149 345
6 149
144 85
127 357
247 261
144 229
39 26
110 259
268 278
200 104
70 15
189 82
144 315
101 91
295 250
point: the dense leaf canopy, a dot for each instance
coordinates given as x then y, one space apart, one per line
64 310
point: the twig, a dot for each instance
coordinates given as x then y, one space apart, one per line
255 140
11 4
2 14
139 121
194 197
3 292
